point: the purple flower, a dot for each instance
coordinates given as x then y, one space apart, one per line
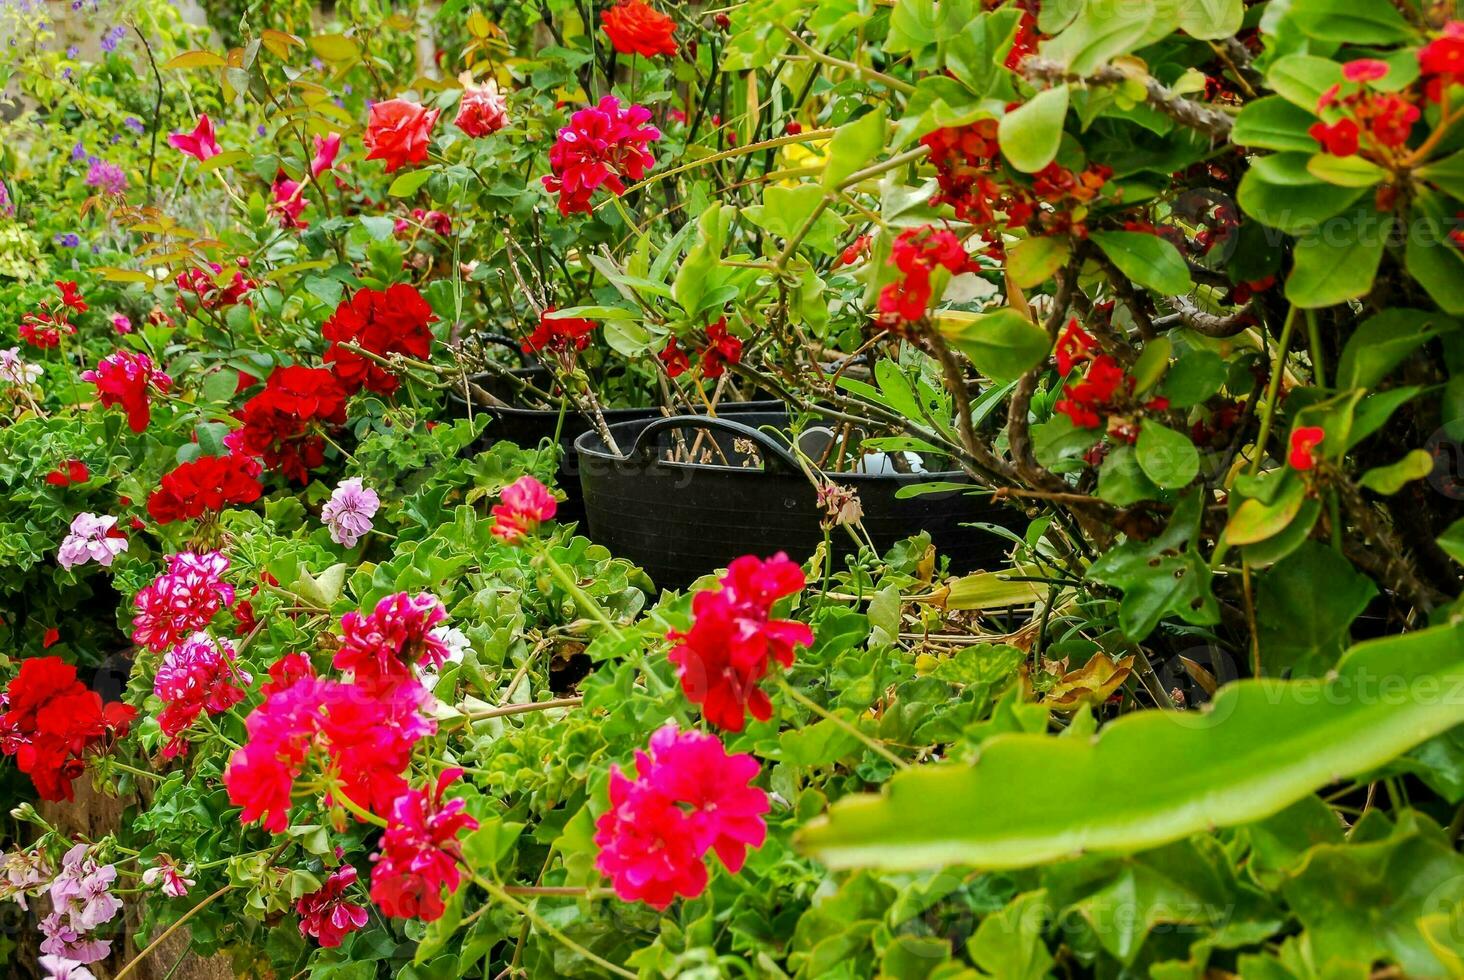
82 898
349 510
90 540
73 51
23 874
107 177
7 210
78 152
69 240
134 124
112 38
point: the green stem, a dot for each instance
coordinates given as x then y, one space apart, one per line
340 797
873 744
1314 342
500 894
1278 369
592 608
113 763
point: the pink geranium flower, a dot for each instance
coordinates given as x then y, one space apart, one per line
326 914
199 144
526 503
93 537
349 510
420 853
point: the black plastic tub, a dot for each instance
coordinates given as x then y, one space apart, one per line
528 427
680 520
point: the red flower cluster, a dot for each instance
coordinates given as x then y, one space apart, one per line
75 471
182 600
722 349
420 853
1024 42
51 721
394 321
525 504
1383 120
1441 61
558 335
733 641
1103 390
674 358
43 329
280 421
398 131
200 288
917 253
1304 442
205 485
968 170
380 647
601 144
365 738
634 28
128 379
327 914
197 676
689 796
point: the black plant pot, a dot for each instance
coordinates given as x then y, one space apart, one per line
530 426
679 521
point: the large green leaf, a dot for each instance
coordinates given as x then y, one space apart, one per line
1381 342
854 145
1279 191
1155 776
1351 21
1272 123
1339 260
1003 344
1303 628
1030 134
1146 259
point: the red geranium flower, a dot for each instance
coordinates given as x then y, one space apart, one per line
526 503
396 321
674 358
1304 441
52 720
326 913
634 28
733 641
70 297
205 486
560 335
722 349
398 131
279 421
75 471
420 852
128 380
199 289
601 144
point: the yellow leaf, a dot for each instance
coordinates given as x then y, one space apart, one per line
196 59
1090 684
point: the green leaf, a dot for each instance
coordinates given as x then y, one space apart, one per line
1147 259
1002 344
1033 261
705 253
1452 541
1303 628
1161 577
1100 33
1194 377
1302 78
1256 519
785 209
1262 746
1009 943
854 145
1279 191
1211 20
1353 171
1272 123
1351 21
1122 481
1431 256
1030 134
1381 342
1339 260
1388 480
410 182
1446 174
1166 457
1396 900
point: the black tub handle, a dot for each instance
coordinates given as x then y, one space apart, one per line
773 454
501 340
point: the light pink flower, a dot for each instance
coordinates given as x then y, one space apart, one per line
82 898
24 874
349 510
481 110
16 370
199 144
92 538
60 968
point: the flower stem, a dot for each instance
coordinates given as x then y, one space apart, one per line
499 893
132 964
874 744
591 608
1277 370
356 808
